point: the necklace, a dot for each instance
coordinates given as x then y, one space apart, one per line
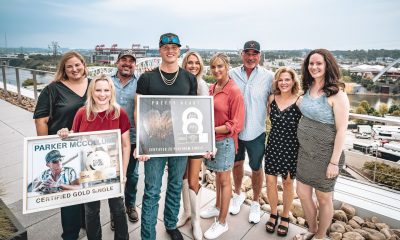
104 117
171 81
219 87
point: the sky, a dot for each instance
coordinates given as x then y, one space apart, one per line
204 24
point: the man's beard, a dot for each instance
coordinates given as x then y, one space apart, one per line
126 73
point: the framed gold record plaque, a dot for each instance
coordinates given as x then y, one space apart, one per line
81 168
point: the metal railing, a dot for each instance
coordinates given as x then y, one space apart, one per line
11 79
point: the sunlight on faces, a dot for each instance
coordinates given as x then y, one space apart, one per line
317 66
250 58
193 65
219 70
126 66
74 69
102 94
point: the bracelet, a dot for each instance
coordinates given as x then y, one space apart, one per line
334 164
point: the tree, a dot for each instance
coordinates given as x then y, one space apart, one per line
209 78
347 79
383 109
393 108
365 105
360 110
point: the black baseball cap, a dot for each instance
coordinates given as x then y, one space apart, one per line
128 52
252 45
53 156
169 38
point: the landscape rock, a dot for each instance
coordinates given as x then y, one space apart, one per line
266 207
335 235
381 226
374 234
336 227
340 215
348 228
297 209
359 220
354 224
386 232
301 221
349 210
362 232
374 219
353 235
341 223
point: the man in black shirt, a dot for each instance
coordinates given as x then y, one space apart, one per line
168 79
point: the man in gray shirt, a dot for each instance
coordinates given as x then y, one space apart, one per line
125 83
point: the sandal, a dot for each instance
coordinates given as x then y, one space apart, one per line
283 230
269 226
304 236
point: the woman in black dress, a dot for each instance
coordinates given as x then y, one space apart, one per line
55 109
282 147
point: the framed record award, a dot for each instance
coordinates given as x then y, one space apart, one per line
81 168
174 125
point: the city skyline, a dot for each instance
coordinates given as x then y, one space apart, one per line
277 25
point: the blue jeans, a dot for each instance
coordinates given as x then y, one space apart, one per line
132 177
153 173
93 225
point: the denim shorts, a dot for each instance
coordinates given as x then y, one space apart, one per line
225 157
255 150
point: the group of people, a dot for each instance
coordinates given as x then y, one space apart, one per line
243 98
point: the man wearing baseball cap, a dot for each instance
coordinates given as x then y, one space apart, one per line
125 82
255 82
57 177
167 79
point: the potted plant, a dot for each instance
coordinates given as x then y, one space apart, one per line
10 227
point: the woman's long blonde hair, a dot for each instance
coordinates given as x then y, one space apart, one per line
90 103
61 75
293 74
185 62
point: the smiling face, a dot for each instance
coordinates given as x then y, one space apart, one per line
102 94
74 69
169 53
126 66
250 58
285 82
193 65
219 70
317 66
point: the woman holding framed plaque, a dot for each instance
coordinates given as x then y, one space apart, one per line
102 112
55 109
229 116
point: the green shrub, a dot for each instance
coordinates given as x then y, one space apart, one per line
385 174
27 82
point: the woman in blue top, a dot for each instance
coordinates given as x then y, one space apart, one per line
321 133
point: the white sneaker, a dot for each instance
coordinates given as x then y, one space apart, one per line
210 212
255 212
216 230
236 203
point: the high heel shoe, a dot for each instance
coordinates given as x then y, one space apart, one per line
283 230
269 226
